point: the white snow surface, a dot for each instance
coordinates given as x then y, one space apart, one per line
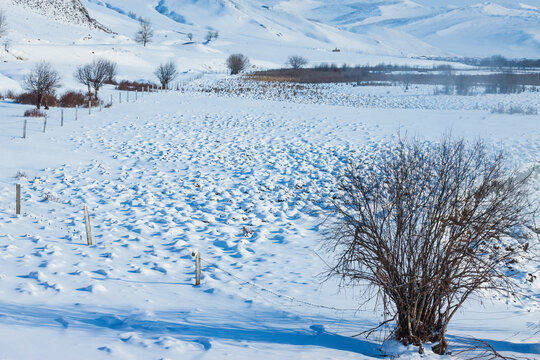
234 173
241 180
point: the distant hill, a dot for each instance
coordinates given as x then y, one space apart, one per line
68 11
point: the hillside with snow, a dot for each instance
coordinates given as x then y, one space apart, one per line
463 28
366 31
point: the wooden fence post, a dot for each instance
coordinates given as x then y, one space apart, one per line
24 129
111 99
119 97
136 94
197 256
18 200
45 123
89 107
127 96
62 117
88 227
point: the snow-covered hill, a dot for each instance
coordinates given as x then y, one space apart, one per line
462 27
69 32
69 11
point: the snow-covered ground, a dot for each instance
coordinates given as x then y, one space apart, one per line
239 179
235 169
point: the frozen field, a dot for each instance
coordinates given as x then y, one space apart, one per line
241 179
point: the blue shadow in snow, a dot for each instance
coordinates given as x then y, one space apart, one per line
183 329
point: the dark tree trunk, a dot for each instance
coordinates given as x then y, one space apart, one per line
39 100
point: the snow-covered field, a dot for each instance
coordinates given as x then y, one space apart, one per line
380 97
242 181
237 170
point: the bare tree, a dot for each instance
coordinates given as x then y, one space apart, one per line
190 36
428 227
297 62
237 63
166 73
111 70
83 74
209 36
145 33
42 81
95 74
3 24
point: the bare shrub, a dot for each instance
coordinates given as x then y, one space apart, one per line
428 227
166 73
42 81
50 197
145 33
126 85
72 99
10 94
21 175
237 63
297 62
189 36
95 74
34 113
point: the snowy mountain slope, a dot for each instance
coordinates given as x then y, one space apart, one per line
69 11
462 27
367 31
267 35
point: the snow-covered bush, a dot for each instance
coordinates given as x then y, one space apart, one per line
34 113
514 109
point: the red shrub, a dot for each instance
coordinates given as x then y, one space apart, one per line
10 95
73 99
30 98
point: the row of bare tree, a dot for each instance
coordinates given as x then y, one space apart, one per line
145 34
42 80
